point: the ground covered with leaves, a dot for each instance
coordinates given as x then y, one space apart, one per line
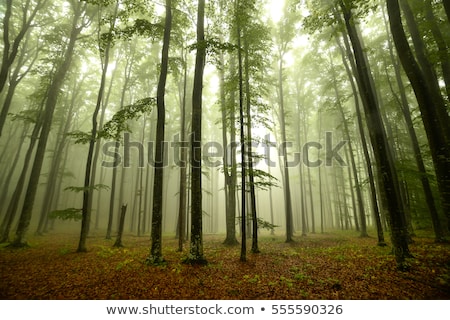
319 266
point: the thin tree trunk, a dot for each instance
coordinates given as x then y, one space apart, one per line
196 243
156 256
90 170
373 192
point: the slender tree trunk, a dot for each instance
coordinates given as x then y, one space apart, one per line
251 175
196 244
156 256
11 49
287 187
91 165
229 161
56 164
359 198
373 192
183 160
243 256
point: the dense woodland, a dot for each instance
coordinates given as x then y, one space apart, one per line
241 118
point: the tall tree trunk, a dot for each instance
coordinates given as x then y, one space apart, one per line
183 159
229 161
382 152
11 49
437 140
50 105
404 106
243 256
287 187
347 57
359 198
56 163
196 243
251 174
90 170
156 256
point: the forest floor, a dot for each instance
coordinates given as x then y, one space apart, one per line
319 266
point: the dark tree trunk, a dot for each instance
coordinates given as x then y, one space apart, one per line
123 211
183 160
373 191
196 243
50 105
287 187
11 49
251 175
156 256
404 106
229 160
382 152
243 256
437 140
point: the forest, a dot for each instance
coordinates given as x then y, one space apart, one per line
243 149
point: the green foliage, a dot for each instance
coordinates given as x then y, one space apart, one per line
118 124
80 137
82 189
262 224
27 116
66 214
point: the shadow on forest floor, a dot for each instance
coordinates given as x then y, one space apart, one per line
337 265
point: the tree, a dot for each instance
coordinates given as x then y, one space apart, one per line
155 256
51 101
429 104
89 176
196 243
379 141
